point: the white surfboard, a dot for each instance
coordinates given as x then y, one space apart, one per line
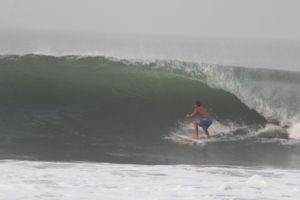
189 138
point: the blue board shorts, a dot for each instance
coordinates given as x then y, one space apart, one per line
205 122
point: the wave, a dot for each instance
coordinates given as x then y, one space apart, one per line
272 93
68 80
104 105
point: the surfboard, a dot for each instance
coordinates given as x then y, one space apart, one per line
188 138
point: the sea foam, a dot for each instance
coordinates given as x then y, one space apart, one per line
294 131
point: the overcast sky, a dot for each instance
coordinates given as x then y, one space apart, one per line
216 18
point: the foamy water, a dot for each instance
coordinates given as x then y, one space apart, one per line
294 131
49 180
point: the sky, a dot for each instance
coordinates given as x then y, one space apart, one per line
274 19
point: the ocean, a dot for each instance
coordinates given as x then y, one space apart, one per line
97 117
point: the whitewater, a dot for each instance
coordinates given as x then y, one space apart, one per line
44 180
97 117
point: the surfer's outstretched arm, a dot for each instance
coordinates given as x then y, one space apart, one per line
192 114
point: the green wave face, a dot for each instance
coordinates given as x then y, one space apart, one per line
94 108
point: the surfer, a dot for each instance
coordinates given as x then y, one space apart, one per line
205 119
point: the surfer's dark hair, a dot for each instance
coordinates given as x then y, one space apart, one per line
198 103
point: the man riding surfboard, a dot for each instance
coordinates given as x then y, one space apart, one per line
205 119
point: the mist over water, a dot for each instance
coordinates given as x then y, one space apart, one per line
252 53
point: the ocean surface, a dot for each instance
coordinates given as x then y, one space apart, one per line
99 117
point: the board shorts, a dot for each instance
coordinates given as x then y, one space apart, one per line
205 122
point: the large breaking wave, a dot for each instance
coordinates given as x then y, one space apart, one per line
81 107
